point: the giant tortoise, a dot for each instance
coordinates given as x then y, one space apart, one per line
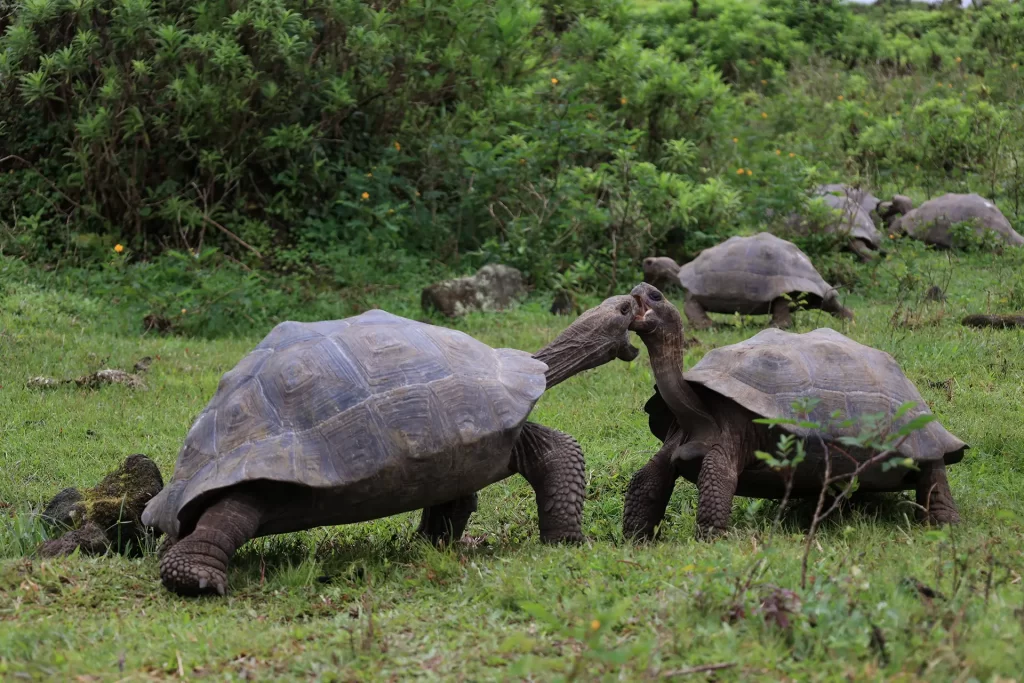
752 276
851 218
705 420
932 221
350 420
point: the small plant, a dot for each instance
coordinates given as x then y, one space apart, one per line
875 444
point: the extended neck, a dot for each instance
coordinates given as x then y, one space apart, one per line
666 351
570 354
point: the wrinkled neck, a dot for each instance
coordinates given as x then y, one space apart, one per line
666 351
570 354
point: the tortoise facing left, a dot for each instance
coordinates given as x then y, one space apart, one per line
752 276
350 420
705 420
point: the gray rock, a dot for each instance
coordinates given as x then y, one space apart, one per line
493 288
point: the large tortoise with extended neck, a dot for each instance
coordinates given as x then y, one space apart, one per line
350 420
750 276
705 419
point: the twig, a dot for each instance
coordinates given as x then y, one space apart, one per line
698 669
232 235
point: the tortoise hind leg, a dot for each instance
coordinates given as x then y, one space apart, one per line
781 317
198 563
934 495
697 314
553 464
446 522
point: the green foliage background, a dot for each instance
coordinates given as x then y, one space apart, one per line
341 145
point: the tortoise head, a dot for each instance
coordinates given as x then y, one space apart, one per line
656 316
661 329
598 336
660 271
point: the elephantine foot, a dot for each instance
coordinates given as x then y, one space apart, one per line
193 567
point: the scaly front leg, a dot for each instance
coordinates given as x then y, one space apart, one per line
553 464
716 486
649 492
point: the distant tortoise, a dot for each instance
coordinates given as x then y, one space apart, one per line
662 272
862 197
851 217
752 276
350 420
705 420
931 222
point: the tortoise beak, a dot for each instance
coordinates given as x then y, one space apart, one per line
645 319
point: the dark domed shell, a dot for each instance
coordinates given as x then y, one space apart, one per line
768 372
852 219
337 403
931 221
745 270
862 197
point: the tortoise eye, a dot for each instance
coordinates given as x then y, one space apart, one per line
656 296
624 309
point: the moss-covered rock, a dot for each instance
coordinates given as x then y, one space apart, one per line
111 509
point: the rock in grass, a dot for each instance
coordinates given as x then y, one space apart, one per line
106 515
493 288
93 380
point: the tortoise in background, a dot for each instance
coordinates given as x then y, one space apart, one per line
350 420
931 222
705 420
753 276
662 272
860 196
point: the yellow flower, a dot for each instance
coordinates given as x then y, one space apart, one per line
764 115
365 195
778 152
892 236
118 248
917 167
594 625
623 100
840 98
398 147
764 82
369 175
417 193
735 140
957 60
554 81
940 85
792 154
1014 66
739 171
950 85
522 161
749 172
184 311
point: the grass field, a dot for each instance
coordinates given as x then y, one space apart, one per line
886 598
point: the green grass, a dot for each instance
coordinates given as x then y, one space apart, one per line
368 602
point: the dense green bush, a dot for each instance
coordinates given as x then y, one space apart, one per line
350 143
